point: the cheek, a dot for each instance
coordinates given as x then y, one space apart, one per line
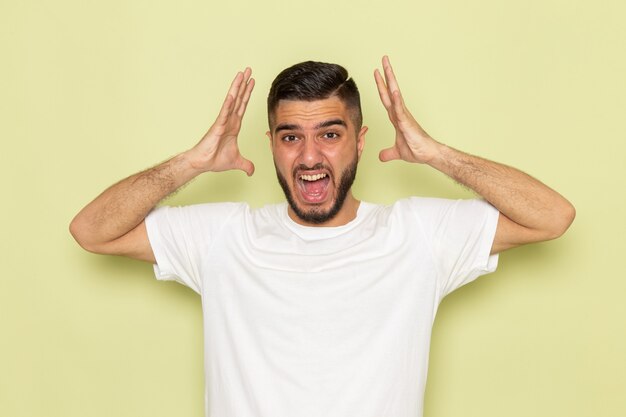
283 162
343 156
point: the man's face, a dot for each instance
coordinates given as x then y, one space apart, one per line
316 149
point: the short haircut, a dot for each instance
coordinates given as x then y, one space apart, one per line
310 81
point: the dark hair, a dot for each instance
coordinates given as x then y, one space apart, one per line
310 81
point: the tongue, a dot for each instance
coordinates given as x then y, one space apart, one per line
316 187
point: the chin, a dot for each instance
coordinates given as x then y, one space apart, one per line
316 215
325 212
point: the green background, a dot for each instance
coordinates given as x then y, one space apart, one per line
93 91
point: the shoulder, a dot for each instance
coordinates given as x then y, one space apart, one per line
434 205
431 213
195 217
202 210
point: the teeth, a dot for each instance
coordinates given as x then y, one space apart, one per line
312 177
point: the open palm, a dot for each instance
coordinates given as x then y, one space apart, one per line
218 150
412 143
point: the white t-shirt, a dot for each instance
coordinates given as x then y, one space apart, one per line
321 321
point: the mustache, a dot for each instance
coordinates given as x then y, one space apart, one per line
303 167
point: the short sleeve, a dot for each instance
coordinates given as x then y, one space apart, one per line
461 234
181 238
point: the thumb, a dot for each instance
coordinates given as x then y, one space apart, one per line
389 154
246 166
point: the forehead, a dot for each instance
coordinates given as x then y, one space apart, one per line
310 113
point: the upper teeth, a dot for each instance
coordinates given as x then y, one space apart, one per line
312 177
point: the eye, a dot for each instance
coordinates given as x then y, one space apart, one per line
331 135
289 138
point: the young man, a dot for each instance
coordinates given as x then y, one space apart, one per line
323 305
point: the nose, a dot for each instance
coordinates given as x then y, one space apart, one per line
310 153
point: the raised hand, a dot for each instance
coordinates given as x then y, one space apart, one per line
412 143
218 149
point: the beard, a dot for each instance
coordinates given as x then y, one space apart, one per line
317 215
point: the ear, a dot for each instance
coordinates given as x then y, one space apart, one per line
360 141
269 136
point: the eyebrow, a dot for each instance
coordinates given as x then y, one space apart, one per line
321 125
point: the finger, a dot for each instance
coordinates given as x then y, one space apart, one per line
246 98
383 92
226 110
242 87
229 101
389 154
398 105
390 77
234 86
245 165
247 73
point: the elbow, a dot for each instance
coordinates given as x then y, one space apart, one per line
571 215
89 239
77 230
564 218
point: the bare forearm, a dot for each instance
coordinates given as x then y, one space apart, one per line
124 205
114 224
530 211
520 197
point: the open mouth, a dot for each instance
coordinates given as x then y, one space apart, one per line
313 187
